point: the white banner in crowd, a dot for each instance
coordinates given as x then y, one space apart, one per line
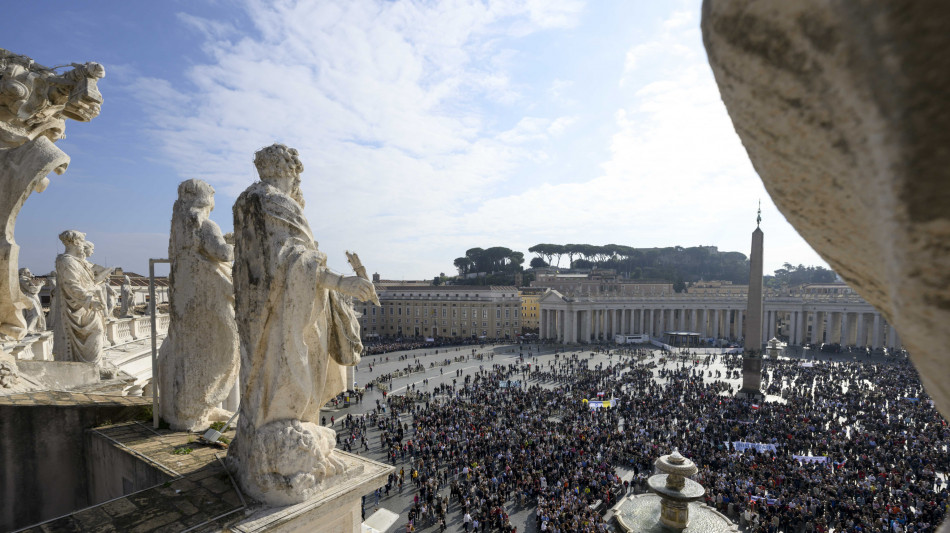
760 447
811 458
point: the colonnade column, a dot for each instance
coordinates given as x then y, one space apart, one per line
845 329
876 332
740 334
860 339
891 337
800 326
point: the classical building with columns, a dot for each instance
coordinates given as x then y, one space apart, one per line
804 318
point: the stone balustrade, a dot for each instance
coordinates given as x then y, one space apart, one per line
39 347
34 347
125 330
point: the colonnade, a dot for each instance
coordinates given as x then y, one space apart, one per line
584 325
797 321
847 328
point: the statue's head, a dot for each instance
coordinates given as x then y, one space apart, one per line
26 282
276 164
195 193
88 248
276 161
73 239
126 280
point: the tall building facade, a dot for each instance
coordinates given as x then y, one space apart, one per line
442 311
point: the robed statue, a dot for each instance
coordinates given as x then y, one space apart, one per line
80 325
296 333
199 360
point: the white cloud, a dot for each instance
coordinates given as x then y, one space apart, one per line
394 108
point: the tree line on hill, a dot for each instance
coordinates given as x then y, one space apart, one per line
678 265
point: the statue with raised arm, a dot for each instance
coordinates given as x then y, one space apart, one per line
33 315
199 360
296 334
80 326
35 102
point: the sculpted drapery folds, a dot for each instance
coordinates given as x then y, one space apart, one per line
80 326
199 359
296 334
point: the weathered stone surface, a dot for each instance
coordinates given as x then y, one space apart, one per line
199 359
296 335
842 108
33 315
80 326
128 299
35 102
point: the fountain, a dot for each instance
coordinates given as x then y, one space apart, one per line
678 508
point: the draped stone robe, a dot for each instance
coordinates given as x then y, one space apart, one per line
295 334
80 329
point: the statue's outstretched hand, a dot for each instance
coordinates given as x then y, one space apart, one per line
357 287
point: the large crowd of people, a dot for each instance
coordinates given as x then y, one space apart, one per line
845 446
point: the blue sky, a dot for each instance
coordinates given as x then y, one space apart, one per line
426 128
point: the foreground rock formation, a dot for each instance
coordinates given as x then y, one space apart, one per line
199 359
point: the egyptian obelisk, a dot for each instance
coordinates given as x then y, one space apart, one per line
752 351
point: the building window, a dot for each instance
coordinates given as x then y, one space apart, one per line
464 313
484 313
507 313
497 313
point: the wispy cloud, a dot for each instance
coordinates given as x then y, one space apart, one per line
418 141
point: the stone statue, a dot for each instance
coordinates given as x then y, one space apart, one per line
128 299
35 102
99 271
33 315
111 296
53 301
80 325
199 359
296 334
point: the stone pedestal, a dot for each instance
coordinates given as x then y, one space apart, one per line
335 510
751 376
